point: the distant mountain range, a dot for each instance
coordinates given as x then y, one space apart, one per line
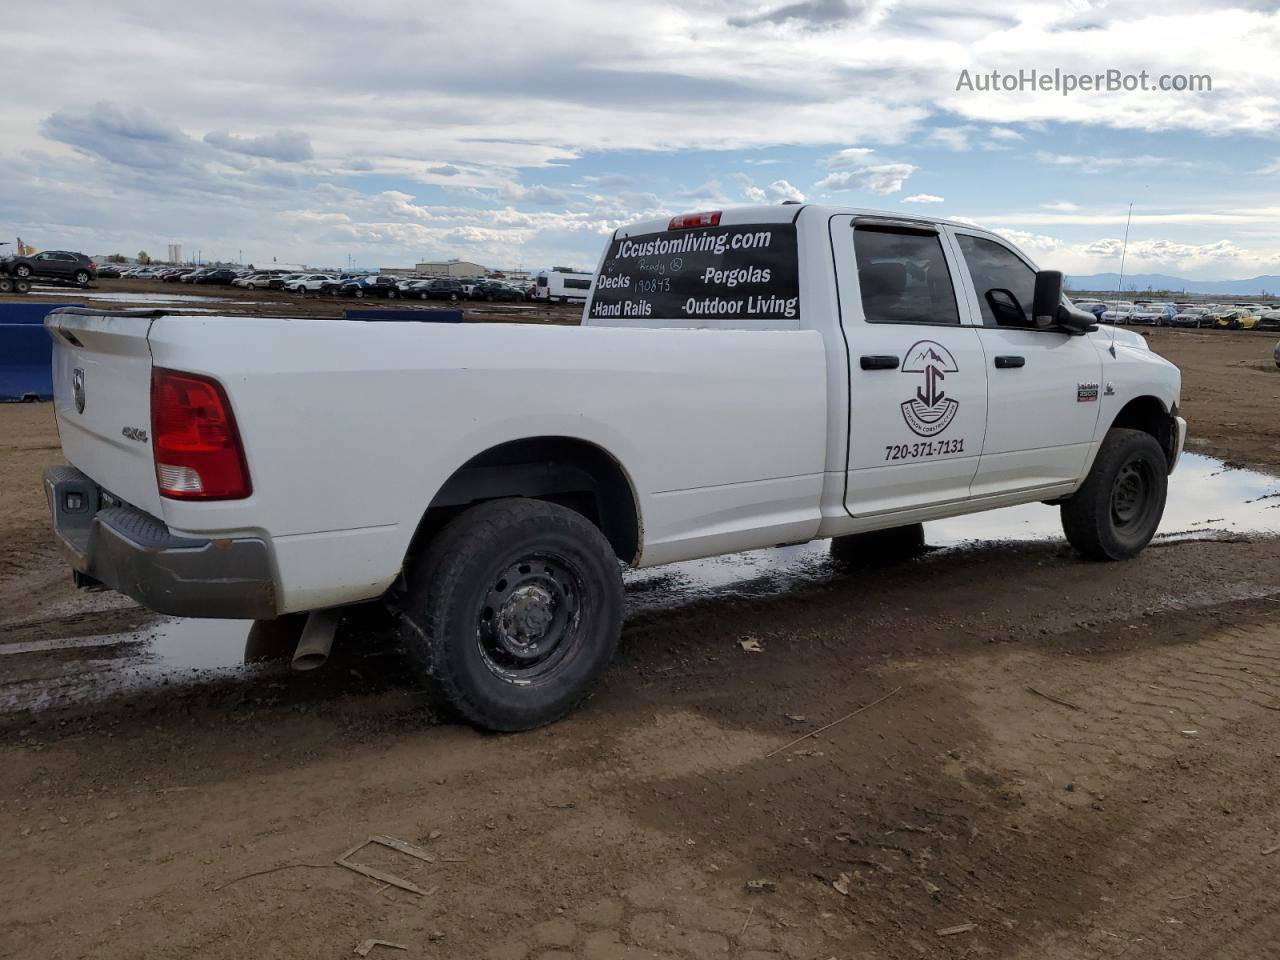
1139 282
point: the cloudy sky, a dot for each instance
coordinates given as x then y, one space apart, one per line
516 133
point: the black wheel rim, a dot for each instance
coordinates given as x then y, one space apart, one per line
529 625
1131 494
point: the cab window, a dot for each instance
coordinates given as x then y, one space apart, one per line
903 277
996 267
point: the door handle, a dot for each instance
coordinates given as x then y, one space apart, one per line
1010 363
880 363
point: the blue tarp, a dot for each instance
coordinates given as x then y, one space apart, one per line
407 313
26 352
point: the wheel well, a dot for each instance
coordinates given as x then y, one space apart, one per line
564 470
1149 415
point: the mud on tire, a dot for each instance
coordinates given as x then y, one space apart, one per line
1114 515
512 612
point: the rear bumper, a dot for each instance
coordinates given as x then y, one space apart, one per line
135 554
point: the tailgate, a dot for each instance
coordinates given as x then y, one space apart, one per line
102 395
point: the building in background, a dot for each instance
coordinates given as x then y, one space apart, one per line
451 268
175 253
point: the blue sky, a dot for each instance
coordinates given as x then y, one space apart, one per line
522 135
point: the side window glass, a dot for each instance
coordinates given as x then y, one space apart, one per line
903 277
994 267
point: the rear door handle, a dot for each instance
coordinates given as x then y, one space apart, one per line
880 363
1010 363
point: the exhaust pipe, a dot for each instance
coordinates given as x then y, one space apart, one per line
316 640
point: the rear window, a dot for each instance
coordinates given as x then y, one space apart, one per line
739 273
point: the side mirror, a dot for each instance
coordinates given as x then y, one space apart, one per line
1006 308
1047 299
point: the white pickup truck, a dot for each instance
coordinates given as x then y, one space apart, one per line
741 379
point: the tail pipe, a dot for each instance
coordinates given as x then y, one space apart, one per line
316 640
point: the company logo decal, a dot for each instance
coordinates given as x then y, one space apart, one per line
1087 393
930 411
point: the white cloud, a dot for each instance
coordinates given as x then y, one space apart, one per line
776 192
923 198
1064 206
882 178
848 157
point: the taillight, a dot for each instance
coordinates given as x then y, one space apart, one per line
708 218
194 439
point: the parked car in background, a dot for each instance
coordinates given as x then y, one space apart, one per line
388 287
442 289
1152 314
222 278
1269 320
174 275
1237 318
61 265
496 290
1096 307
414 288
1193 317
252 281
309 282
1118 313
278 282
108 272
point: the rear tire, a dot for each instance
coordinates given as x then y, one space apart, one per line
22 286
82 278
513 612
878 547
6 285
1114 515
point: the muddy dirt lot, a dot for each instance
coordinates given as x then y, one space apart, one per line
1055 760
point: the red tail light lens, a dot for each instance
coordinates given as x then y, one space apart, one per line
194 439
708 218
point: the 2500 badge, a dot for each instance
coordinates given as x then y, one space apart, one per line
929 448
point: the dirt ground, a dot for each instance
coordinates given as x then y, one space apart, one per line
1046 760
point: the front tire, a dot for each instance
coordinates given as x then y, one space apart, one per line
513 613
22 270
1114 515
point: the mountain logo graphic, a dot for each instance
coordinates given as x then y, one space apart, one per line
930 411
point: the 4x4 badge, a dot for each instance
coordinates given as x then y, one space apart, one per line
930 411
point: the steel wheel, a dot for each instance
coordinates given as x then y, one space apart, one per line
1130 493
529 622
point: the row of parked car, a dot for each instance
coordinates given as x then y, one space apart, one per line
1163 313
391 288
330 284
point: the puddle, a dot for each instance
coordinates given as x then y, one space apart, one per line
1206 499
